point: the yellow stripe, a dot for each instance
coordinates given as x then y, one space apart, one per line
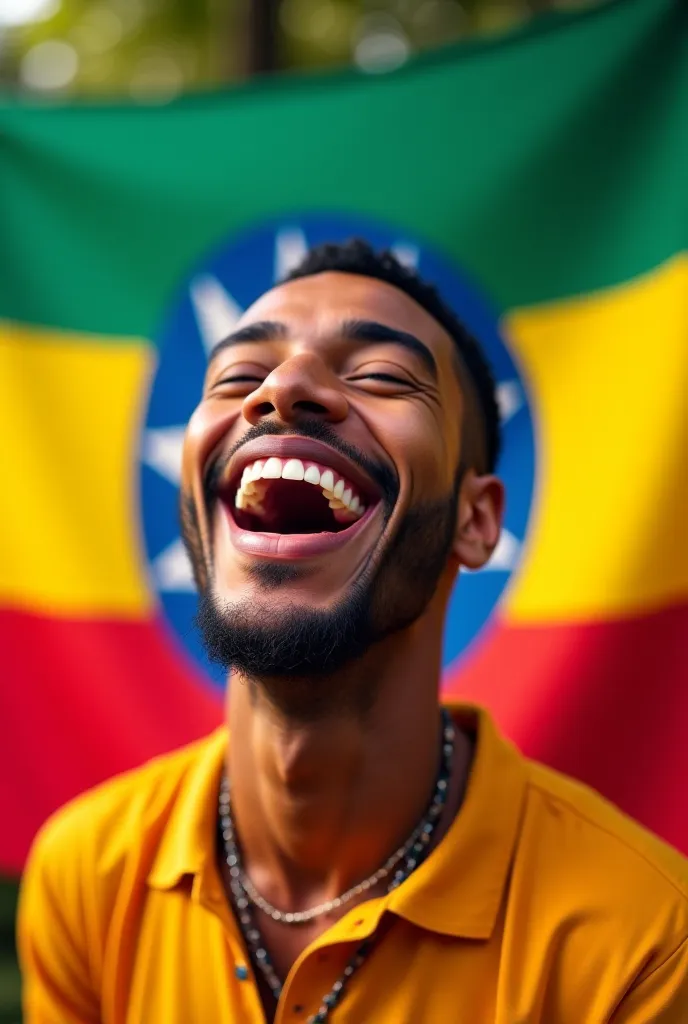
608 535
609 385
70 413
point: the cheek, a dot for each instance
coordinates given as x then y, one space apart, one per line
196 430
422 446
208 425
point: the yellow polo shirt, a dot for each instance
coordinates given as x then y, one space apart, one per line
542 905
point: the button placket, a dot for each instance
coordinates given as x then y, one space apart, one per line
304 986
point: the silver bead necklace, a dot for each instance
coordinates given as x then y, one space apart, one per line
246 896
303 916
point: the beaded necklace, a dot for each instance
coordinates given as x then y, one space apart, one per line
246 896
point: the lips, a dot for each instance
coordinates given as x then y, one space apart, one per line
292 497
293 546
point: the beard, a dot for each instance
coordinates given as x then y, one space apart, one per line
298 655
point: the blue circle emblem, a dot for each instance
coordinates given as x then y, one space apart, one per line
204 310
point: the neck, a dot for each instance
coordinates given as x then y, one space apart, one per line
321 803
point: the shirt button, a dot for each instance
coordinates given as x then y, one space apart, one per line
241 971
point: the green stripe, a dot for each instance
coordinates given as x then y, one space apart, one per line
549 164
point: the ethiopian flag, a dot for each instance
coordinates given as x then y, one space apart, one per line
542 181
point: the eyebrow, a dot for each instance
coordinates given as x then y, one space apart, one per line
352 330
261 330
371 330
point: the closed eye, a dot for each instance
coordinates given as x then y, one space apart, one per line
240 378
388 378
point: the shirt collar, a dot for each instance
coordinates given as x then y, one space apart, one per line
456 891
187 847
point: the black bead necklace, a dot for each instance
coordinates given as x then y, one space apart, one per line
415 851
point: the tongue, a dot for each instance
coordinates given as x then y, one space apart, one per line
292 506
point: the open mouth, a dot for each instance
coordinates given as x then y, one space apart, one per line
293 496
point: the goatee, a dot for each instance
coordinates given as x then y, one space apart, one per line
296 654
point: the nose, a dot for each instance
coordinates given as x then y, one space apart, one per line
300 386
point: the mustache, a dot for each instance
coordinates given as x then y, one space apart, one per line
315 429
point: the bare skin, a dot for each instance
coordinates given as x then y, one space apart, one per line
320 804
320 788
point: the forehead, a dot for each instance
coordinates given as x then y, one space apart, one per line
315 305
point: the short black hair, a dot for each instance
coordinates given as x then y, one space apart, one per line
357 257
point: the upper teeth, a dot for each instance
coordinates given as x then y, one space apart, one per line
341 494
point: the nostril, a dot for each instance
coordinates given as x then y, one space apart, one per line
264 409
306 406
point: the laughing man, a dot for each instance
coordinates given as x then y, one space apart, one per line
345 849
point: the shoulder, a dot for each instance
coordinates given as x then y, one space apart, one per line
602 897
596 826
102 826
599 858
91 856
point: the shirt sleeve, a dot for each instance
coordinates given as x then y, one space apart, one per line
52 940
660 997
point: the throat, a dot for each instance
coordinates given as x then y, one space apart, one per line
320 805
313 764
308 781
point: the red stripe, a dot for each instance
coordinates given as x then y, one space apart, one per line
81 701
607 703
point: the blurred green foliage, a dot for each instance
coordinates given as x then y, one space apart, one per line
9 975
153 49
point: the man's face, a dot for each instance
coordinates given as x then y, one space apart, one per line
321 475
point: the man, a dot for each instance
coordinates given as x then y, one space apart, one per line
344 850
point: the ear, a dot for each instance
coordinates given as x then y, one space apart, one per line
479 519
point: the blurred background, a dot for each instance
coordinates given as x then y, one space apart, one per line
155 49
152 50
